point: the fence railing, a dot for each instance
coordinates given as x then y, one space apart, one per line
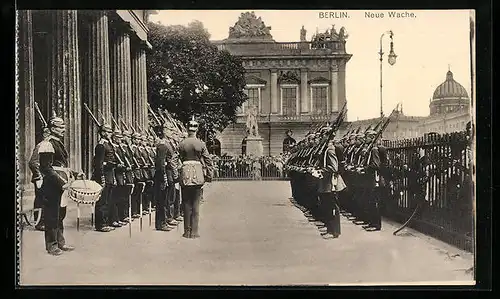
448 208
236 168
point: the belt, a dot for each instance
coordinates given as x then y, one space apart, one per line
191 162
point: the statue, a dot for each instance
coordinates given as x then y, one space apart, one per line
343 34
333 34
249 26
252 125
303 34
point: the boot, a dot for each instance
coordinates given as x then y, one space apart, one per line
187 233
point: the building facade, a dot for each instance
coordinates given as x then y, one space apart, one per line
293 85
68 58
449 111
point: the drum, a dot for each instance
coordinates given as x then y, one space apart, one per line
84 191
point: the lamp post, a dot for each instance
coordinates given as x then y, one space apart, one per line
391 59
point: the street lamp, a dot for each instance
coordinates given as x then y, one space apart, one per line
391 60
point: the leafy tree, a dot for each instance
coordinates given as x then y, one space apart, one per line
186 71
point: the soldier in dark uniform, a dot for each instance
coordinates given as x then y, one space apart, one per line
104 174
119 194
371 167
148 174
34 165
139 176
125 146
327 192
53 161
172 176
163 182
193 150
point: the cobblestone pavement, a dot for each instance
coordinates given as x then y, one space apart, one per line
250 234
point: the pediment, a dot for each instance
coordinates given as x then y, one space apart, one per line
318 80
254 80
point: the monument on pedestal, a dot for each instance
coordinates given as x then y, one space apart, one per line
253 140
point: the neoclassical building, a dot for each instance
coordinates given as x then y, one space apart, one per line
68 58
294 85
449 111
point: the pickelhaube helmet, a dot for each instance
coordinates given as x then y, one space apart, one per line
55 121
117 132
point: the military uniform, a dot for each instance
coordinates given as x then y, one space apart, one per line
104 173
53 166
193 150
165 177
119 207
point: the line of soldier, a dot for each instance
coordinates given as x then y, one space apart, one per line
346 178
143 167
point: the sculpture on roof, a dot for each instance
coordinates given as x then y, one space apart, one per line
248 26
343 34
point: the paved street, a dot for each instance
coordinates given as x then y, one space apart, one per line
250 234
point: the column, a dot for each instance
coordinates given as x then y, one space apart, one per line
144 101
139 85
136 85
304 98
95 77
341 85
64 88
121 75
274 91
334 100
25 99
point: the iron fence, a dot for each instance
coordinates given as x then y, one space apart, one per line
447 212
245 168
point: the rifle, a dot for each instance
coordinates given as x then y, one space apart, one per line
142 157
130 151
91 115
40 116
120 145
385 123
154 115
333 129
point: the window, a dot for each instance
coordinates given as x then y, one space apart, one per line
320 100
253 97
289 100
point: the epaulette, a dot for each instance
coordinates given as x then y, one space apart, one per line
45 147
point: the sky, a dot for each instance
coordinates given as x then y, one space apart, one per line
427 45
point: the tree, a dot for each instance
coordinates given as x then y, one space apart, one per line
186 71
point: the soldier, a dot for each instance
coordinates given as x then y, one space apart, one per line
119 198
148 174
165 176
370 167
125 144
53 163
104 174
193 153
327 192
36 179
139 175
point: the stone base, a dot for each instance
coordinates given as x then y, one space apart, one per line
254 147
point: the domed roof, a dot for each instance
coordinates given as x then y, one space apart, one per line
450 89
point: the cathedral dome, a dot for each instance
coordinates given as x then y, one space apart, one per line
450 89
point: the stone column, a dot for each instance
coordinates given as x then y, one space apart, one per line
95 77
341 85
139 85
334 100
304 95
25 97
144 84
121 75
274 91
64 88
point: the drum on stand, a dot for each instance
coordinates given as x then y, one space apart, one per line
85 192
